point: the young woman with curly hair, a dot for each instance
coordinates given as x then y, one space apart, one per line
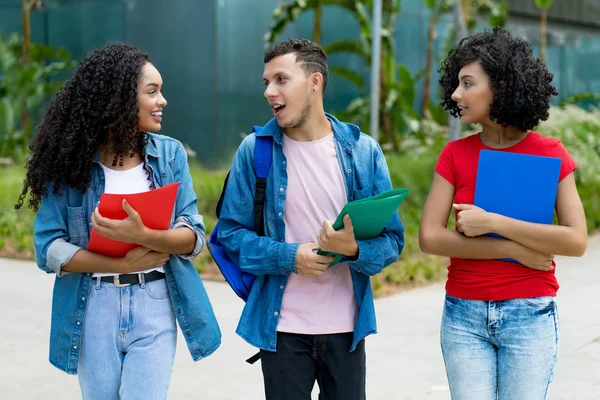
114 319
499 332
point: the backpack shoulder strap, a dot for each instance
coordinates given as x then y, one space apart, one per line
263 156
263 159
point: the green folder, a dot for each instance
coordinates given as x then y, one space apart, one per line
369 216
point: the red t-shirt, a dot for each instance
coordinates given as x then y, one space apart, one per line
495 279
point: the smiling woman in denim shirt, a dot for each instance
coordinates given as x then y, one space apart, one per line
114 319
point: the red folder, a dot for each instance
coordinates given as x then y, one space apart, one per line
155 208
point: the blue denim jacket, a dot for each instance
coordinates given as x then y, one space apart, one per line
62 227
272 259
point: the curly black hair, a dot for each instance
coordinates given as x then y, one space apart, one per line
520 82
99 98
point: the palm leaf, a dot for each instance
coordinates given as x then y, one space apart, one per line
349 75
348 46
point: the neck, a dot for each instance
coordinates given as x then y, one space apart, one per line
316 126
118 162
498 136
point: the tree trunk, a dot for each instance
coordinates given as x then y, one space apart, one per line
26 21
466 9
428 64
386 119
316 36
543 32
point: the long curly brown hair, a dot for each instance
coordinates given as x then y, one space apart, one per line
100 97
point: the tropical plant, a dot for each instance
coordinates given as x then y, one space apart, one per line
28 74
397 91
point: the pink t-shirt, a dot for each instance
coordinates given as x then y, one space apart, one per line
315 192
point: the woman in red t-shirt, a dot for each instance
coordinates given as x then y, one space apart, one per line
499 331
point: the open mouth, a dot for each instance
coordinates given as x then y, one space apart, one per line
277 108
157 115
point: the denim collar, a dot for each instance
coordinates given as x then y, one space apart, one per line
151 150
346 134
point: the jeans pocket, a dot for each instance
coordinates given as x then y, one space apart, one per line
92 291
539 302
456 302
157 290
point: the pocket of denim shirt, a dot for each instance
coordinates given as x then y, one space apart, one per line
539 302
76 223
362 194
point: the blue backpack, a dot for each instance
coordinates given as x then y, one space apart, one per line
241 282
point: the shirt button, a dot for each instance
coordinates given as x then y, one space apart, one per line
78 323
281 190
280 213
83 299
281 240
275 313
281 287
75 347
283 162
349 171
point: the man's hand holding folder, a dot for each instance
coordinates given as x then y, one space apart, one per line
362 219
341 241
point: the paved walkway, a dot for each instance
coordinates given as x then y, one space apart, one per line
404 359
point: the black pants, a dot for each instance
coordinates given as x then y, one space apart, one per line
291 371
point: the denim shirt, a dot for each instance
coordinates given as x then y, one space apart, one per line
62 227
272 259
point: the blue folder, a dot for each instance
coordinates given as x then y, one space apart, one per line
520 186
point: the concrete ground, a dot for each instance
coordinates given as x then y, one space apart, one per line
404 360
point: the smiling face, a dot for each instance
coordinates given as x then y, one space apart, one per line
288 90
473 95
150 99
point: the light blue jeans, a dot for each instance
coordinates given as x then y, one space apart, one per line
500 350
128 343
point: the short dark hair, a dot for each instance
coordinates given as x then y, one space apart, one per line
310 55
520 82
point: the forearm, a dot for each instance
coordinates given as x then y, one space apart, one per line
448 243
172 241
86 261
544 238
376 254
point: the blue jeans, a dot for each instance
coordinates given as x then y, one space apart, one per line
128 343
503 350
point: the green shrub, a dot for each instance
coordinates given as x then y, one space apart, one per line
579 130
